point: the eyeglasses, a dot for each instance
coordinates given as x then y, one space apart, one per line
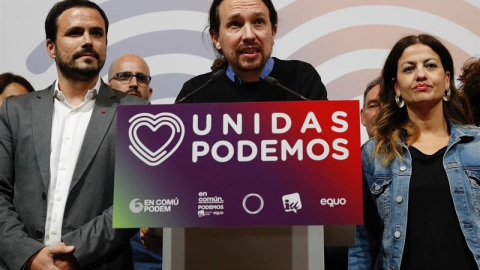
126 77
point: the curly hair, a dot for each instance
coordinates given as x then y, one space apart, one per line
470 85
393 122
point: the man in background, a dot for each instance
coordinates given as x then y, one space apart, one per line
131 74
371 105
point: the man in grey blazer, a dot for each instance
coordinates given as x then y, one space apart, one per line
57 150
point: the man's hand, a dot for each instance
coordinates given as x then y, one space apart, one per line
65 261
152 238
44 259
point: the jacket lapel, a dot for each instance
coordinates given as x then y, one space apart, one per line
103 114
42 111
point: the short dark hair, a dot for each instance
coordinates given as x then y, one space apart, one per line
214 20
9 78
370 86
51 26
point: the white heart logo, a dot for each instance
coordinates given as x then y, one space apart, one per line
154 123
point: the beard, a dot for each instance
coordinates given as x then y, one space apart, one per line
251 64
72 70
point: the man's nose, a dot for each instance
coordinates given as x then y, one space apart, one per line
87 39
133 82
248 33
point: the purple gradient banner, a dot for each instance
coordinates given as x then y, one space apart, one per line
238 164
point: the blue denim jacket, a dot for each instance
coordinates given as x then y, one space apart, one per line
388 187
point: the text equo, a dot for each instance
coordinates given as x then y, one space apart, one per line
333 201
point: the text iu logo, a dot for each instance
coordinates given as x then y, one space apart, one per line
292 202
174 126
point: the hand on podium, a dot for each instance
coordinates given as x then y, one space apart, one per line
152 238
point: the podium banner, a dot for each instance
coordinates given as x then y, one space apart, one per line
238 164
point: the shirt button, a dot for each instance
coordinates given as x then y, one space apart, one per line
67 138
73 112
397 234
399 199
403 168
377 187
54 232
44 196
392 268
59 198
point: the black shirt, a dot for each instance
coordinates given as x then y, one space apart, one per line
434 238
296 75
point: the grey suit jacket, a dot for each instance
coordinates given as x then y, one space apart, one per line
25 135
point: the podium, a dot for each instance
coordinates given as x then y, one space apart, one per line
252 248
221 169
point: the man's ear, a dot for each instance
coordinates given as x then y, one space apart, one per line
51 48
150 92
362 116
274 31
216 42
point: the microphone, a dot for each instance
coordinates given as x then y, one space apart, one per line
272 81
215 76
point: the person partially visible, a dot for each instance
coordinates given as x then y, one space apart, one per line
337 257
243 35
421 170
57 149
371 105
131 74
13 85
470 85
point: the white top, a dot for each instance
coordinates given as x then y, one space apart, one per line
69 126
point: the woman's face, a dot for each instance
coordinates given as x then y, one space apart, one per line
421 79
13 89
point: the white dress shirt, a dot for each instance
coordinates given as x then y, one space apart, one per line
69 126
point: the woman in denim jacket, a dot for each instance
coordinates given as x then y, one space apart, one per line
421 172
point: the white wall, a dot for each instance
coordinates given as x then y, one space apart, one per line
347 41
